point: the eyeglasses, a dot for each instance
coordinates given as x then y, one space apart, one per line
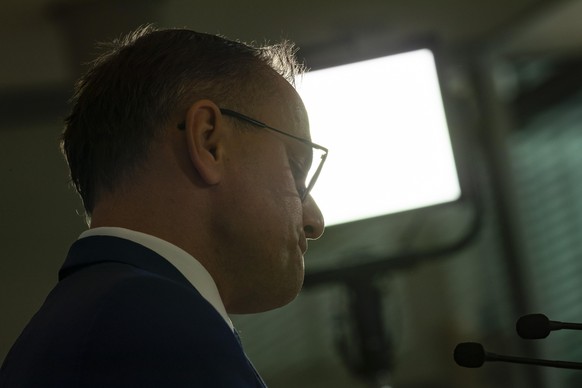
317 150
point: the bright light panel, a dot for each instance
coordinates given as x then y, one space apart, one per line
384 123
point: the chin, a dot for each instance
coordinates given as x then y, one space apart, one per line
284 297
292 292
275 297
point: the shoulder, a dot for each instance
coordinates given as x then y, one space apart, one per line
117 325
117 295
151 327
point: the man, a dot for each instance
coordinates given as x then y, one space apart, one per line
191 155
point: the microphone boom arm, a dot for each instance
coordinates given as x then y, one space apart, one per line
533 361
473 355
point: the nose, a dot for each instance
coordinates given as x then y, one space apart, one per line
313 223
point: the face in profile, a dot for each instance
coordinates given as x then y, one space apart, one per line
268 224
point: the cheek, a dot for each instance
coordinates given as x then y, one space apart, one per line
272 180
265 191
283 197
278 212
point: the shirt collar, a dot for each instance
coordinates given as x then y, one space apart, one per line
188 266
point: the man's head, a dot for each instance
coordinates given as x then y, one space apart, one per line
150 149
144 81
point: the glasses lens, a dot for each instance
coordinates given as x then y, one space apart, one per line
316 165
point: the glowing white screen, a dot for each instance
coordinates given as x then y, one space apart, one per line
384 123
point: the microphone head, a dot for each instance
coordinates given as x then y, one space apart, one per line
469 354
533 326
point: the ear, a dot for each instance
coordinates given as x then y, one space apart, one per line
204 137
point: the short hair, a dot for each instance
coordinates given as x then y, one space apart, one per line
141 82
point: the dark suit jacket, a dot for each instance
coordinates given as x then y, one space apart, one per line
123 316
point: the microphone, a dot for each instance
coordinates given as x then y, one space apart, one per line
473 355
538 326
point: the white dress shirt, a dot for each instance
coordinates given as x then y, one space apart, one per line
188 266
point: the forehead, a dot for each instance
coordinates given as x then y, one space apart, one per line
283 109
